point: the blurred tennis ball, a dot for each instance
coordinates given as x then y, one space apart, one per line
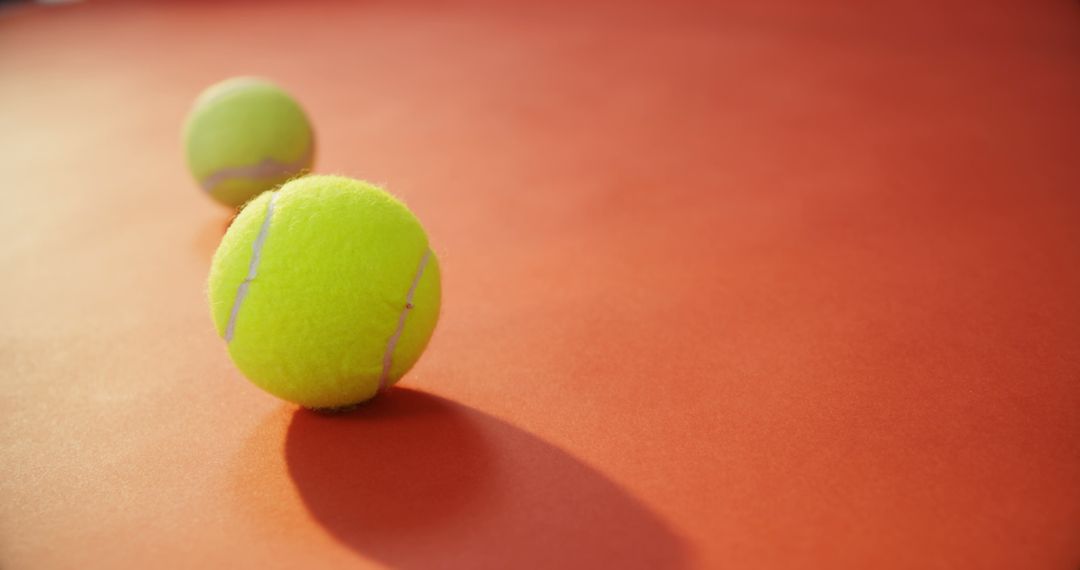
244 136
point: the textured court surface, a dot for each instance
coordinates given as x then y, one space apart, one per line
743 285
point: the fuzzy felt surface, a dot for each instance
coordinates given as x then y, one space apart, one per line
316 317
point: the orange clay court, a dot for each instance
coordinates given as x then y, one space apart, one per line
753 285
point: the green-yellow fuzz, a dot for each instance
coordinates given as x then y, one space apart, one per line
342 296
244 136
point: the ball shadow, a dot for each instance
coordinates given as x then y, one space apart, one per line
413 480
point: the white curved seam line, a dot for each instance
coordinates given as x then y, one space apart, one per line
266 168
388 357
253 268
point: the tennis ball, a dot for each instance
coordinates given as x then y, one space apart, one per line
325 290
244 136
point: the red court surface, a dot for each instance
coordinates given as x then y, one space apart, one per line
737 285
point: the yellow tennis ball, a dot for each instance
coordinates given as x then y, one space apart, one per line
244 136
325 290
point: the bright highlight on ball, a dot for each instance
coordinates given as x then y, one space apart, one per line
245 136
325 290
